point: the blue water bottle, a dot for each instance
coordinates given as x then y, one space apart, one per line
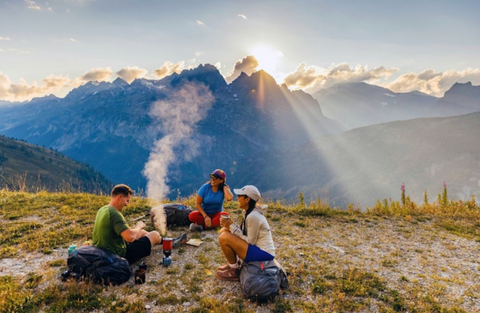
71 249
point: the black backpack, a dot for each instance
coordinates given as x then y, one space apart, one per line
177 214
261 281
99 265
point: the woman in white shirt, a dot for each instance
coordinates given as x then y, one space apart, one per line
252 241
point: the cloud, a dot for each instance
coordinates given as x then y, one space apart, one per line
242 16
168 68
312 78
73 40
55 82
200 23
199 53
32 5
23 91
248 65
432 82
129 74
97 74
5 38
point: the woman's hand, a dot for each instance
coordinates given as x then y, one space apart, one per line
208 221
225 223
227 192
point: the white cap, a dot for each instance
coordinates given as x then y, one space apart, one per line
249 191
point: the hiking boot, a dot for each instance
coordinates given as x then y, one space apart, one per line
223 268
180 240
195 227
232 274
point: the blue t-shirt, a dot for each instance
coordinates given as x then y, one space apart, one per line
212 201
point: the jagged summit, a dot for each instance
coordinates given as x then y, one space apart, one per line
88 88
463 89
260 81
49 97
119 82
207 74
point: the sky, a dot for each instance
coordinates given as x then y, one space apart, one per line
52 46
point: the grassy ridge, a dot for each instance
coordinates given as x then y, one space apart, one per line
44 224
31 168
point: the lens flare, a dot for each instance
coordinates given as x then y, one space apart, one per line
267 58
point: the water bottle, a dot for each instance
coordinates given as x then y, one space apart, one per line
71 249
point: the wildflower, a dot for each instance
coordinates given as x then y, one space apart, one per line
403 187
445 195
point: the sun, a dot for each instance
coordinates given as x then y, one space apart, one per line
267 58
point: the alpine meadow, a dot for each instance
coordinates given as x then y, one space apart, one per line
170 156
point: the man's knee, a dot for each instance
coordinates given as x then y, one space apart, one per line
154 237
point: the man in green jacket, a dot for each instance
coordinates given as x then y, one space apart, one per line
112 233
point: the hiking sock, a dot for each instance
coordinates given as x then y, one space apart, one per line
234 265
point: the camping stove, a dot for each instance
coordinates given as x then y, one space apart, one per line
167 251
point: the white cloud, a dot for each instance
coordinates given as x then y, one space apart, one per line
432 82
32 5
242 16
248 65
55 82
129 74
200 23
73 40
23 91
199 53
5 38
312 78
96 74
168 68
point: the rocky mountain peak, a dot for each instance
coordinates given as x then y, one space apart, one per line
207 74
463 89
119 82
89 88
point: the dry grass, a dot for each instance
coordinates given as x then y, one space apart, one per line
391 258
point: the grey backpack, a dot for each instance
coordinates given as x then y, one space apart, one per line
99 265
262 280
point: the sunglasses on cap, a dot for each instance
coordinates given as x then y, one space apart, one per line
214 177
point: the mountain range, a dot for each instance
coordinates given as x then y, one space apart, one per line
111 126
24 166
360 104
259 132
